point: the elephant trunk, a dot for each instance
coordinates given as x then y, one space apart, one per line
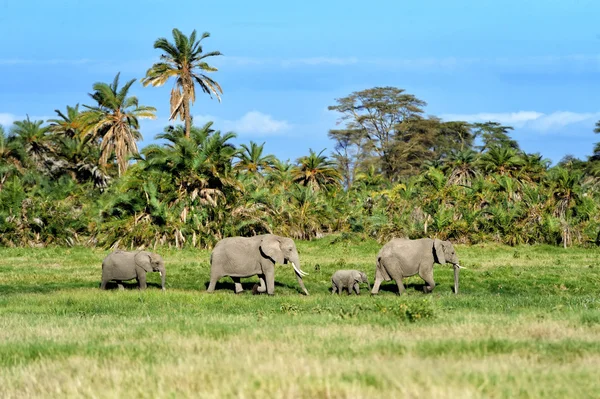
368 285
299 274
456 272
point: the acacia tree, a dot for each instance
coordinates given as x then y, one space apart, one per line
184 61
381 116
494 135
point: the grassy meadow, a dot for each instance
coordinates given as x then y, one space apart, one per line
526 324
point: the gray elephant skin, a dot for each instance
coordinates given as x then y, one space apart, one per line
239 257
349 279
401 258
128 265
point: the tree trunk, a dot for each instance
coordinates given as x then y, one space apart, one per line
186 114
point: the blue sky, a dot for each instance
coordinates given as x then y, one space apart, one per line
531 64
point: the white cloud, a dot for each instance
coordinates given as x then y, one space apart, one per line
533 120
577 62
7 119
516 119
253 123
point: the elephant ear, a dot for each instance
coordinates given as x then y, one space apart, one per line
143 260
155 259
271 247
364 277
438 248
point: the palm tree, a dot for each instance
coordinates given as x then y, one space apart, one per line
316 171
115 121
251 158
371 178
462 164
280 176
32 139
501 160
200 164
10 161
185 61
68 125
566 191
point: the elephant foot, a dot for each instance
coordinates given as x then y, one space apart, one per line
255 289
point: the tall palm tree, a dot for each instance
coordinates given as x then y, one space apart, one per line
115 121
185 61
316 171
251 158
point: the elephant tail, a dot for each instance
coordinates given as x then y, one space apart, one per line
380 272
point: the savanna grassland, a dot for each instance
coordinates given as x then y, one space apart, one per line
525 324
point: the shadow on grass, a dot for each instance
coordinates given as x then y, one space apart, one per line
228 285
420 287
129 285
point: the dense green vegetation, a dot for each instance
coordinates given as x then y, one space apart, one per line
524 325
80 179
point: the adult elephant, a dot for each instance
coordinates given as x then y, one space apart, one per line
401 258
129 265
239 257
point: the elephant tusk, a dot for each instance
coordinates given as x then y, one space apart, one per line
300 272
459 266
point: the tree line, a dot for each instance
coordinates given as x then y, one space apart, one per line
79 179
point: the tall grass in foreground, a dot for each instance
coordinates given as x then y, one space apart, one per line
526 324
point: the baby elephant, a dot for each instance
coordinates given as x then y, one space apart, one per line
126 265
348 279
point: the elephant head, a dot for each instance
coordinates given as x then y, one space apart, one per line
444 253
151 262
282 250
361 277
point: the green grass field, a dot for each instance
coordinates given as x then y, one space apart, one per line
526 324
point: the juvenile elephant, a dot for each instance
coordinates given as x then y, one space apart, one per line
348 279
239 257
401 258
127 265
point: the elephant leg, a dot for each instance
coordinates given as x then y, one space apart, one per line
213 282
356 288
261 287
120 286
376 285
270 279
428 277
333 289
142 281
400 285
238 285
103 284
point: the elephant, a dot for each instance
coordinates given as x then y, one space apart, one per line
401 258
239 257
348 279
127 265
